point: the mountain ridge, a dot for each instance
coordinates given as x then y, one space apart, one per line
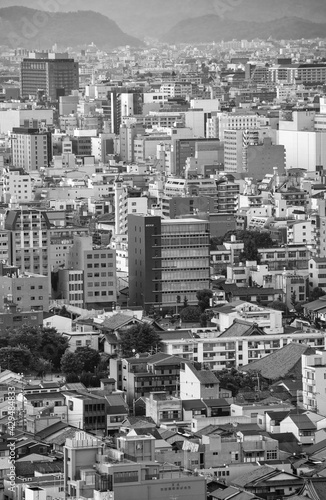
153 17
211 28
35 29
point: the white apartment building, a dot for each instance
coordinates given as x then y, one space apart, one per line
218 351
314 381
17 186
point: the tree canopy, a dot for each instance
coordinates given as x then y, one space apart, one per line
42 348
84 359
17 359
139 339
253 240
234 380
190 313
203 297
316 293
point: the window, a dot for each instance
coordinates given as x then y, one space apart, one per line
271 455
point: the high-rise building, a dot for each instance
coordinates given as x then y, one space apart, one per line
28 240
55 74
169 260
94 275
31 148
236 144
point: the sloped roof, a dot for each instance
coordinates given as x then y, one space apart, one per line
317 447
316 488
254 475
117 410
316 305
74 386
302 421
287 442
152 431
232 492
52 429
139 422
281 363
193 404
27 469
118 321
240 327
204 376
60 438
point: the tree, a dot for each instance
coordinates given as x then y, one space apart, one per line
17 359
138 339
45 343
90 358
203 297
233 380
71 363
53 346
25 336
42 366
190 313
293 299
253 240
279 306
204 320
316 293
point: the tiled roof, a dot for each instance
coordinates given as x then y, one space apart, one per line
240 327
303 422
117 410
316 304
118 321
52 429
60 438
204 376
254 475
27 469
317 447
281 363
193 404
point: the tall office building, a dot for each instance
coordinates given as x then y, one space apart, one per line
169 260
28 240
31 148
56 74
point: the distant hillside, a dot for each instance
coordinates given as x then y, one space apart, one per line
155 17
35 29
213 28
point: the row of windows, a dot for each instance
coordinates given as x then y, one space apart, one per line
97 256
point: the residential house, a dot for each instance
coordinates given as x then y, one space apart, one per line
199 384
269 483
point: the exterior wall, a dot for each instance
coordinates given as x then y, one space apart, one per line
29 291
167 409
304 149
187 489
17 187
313 382
263 158
219 353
